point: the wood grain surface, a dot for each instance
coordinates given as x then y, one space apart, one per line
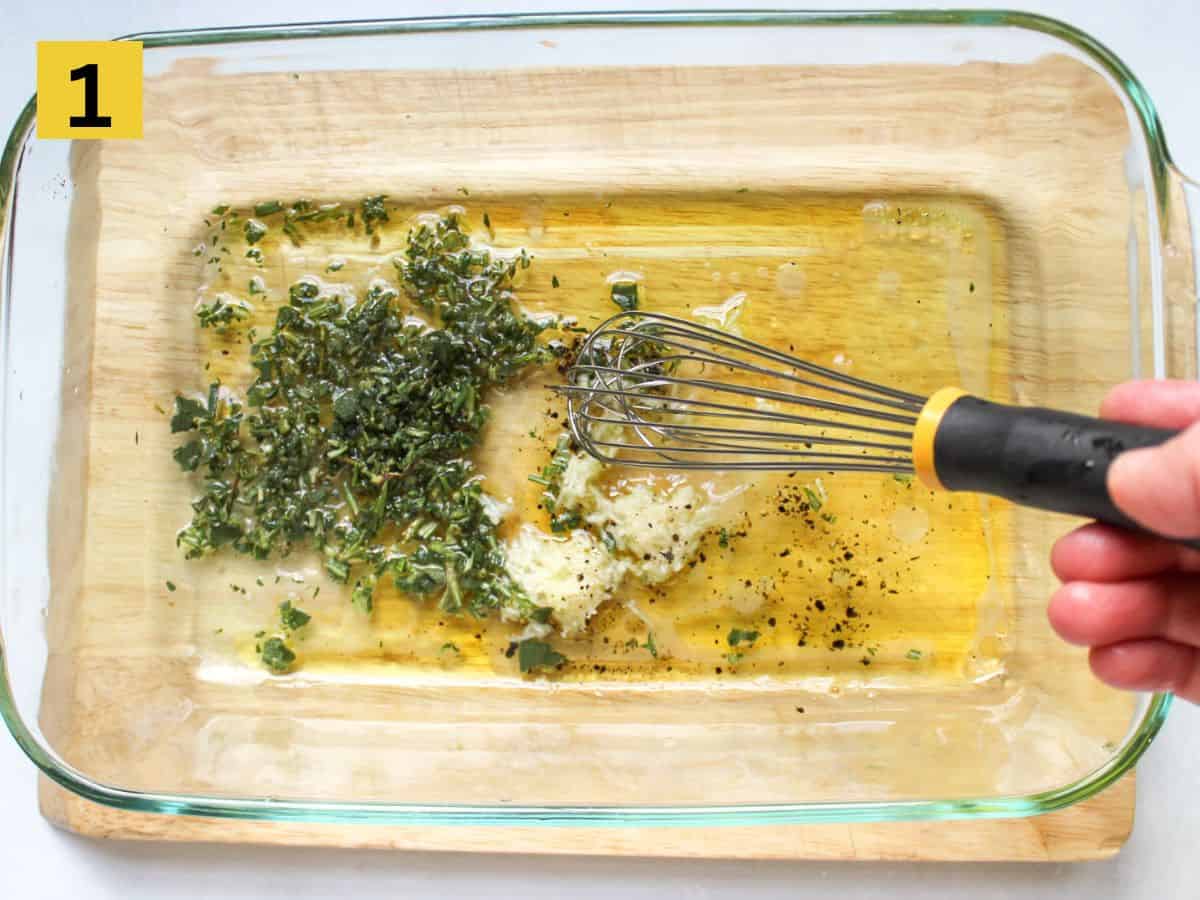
139 692
1094 829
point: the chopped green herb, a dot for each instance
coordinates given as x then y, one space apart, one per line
254 231
363 594
188 413
171 586
277 655
905 480
650 645
221 312
335 266
554 282
625 294
741 636
551 479
609 541
814 499
533 654
829 517
464 192
374 212
360 424
723 539
449 646
220 210
733 657
487 221
289 228
269 208
292 617
913 654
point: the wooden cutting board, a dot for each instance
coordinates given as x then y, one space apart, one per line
1094 829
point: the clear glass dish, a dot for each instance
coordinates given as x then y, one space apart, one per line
979 197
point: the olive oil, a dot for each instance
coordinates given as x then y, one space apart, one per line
837 576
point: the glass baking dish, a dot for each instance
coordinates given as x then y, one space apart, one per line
1013 165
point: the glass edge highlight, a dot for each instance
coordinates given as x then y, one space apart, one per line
391 813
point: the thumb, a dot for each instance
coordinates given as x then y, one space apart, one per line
1159 487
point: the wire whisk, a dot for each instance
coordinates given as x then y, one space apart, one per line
649 389
658 391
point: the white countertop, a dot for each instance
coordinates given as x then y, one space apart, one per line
1158 39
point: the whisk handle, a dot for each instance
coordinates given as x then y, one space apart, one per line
1041 458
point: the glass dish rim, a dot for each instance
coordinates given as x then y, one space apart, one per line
1155 707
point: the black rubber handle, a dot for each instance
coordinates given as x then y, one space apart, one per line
1041 458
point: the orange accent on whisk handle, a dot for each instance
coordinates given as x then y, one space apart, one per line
926 431
1040 458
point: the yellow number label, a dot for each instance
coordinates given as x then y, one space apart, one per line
89 89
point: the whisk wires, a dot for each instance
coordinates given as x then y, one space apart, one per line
654 390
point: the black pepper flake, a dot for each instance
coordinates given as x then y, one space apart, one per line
839 644
820 604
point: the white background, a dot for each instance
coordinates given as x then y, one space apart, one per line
1158 39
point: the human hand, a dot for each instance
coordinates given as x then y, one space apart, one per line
1135 600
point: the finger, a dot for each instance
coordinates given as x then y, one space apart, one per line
1159 487
1149 665
1095 614
1165 404
1098 552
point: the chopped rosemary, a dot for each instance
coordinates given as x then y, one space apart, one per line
254 231
625 294
355 436
533 654
551 479
292 617
276 655
373 212
221 312
650 645
741 636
